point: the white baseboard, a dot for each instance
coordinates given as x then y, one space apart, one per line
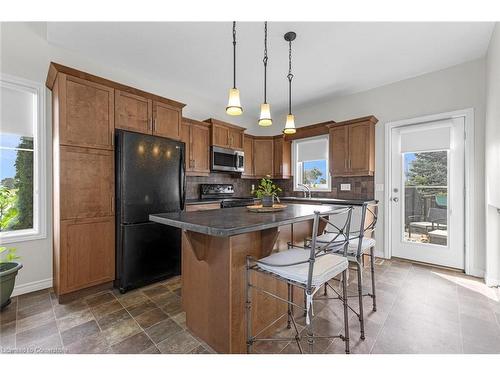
476 272
32 287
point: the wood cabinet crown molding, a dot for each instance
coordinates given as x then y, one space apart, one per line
213 121
368 119
55 68
313 130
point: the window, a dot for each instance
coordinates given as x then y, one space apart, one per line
22 170
310 157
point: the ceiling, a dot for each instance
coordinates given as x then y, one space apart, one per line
194 60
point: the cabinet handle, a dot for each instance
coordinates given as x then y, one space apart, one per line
345 163
150 124
154 125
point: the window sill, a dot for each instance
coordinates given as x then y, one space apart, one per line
21 236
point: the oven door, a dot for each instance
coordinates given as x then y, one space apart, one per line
226 160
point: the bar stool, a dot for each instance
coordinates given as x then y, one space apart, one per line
308 270
361 242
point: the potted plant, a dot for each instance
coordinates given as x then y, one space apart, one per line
267 191
8 273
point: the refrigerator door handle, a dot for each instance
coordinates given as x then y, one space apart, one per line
182 181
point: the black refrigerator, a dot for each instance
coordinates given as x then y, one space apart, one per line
150 178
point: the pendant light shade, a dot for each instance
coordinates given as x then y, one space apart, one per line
265 115
234 107
265 109
290 125
290 118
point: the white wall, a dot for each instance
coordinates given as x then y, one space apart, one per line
455 88
492 151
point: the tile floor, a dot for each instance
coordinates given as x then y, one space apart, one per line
420 310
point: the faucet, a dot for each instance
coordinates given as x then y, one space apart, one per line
307 190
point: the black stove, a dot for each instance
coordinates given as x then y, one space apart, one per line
226 193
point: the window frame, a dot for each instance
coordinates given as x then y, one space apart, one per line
39 230
297 171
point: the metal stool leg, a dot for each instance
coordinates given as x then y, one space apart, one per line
309 330
289 321
248 311
346 313
305 303
325 292
372 266
360 297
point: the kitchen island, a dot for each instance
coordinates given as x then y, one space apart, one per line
214 248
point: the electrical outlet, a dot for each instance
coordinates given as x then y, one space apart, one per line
345 187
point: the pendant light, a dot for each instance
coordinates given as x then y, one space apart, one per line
234 106
265 108
290 120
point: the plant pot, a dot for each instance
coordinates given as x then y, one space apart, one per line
8 273
267 201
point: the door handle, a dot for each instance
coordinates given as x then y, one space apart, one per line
395 199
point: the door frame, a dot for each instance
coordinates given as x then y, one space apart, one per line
470 216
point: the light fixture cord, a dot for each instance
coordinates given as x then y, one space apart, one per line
290 77
234 54
265 62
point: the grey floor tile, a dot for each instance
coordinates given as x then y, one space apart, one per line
150 318
135 344
94 344
99 299
179 343
121 330
34 335
113 318
74 319
163 330
76 333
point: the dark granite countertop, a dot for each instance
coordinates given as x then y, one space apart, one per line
237 220
334 201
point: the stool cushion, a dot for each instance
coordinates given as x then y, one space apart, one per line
325 267
353 243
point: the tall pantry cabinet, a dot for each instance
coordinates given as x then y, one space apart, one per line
84 116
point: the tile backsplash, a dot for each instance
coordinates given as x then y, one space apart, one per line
361 187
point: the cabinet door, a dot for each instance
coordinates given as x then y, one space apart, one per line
202 207
200 149
186 138
249 154
87 254
282 158
263 157
133 112
86 113
86 182
360 139
220 135
167 121
339 151
235 138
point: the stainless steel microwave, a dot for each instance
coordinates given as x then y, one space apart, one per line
227 160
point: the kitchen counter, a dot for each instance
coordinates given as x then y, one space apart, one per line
333 201
215 245
237 220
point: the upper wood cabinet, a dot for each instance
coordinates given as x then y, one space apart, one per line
85 113
133 112
225 135
166 120
249 155
263 158
282 151
352 147
196 136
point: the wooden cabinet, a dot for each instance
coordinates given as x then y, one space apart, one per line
352 147
263 156
133 112
87 182
226 135
196 136
166 120
282 164
86 258
86 113
249 155
202 207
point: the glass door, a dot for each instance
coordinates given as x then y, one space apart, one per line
427 202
